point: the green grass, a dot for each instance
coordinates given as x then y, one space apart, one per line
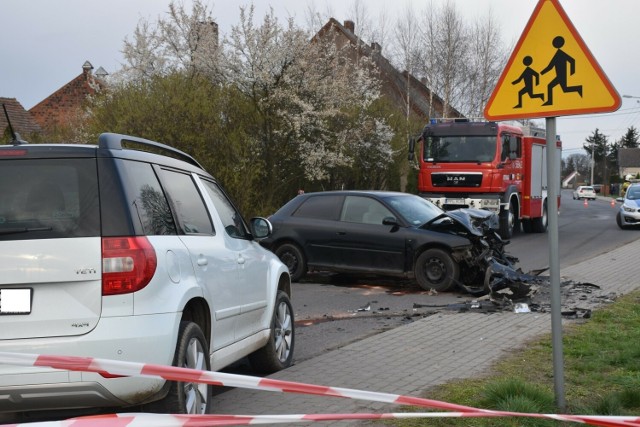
601 374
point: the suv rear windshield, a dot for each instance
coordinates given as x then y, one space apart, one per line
48 199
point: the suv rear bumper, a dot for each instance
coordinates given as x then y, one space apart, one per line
143 339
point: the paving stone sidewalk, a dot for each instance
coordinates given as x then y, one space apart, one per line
431 351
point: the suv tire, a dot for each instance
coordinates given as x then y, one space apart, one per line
192 351
278 351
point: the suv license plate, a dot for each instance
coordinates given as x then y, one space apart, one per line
454 201
15 301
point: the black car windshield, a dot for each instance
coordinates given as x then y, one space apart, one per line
460 149
414 209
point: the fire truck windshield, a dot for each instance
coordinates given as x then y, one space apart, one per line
454 149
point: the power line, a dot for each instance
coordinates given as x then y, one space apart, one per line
605 115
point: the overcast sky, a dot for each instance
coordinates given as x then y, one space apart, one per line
45 42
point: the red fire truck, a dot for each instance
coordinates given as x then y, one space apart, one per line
487 165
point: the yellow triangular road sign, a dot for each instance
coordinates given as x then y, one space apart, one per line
551 72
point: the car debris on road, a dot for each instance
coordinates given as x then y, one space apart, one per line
533 296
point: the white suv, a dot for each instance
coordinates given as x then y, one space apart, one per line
117 252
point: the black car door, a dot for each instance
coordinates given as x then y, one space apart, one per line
363 242
314 225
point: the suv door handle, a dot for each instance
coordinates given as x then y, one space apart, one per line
202 261
341 233
241 259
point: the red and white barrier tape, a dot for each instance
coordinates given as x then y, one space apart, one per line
172 373
165 420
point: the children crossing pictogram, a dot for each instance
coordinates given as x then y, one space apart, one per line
559 64
551 72
531 78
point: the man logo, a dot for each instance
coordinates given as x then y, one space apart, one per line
456 179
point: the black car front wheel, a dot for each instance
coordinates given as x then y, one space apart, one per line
436 270
292 256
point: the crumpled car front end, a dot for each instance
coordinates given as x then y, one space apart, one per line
485 266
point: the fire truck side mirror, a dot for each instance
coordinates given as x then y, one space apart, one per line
513 148
513 145
412 147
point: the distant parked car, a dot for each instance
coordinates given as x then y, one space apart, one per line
629 213
584 192
385 233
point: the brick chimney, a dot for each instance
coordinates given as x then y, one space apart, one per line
351 26
86 69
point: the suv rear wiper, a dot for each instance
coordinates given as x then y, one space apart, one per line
17 230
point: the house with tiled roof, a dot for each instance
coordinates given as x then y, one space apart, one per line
629 161
396 85
64 105
21 121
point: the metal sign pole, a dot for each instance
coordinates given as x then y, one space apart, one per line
553 188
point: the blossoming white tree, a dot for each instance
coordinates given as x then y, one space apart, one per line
312 102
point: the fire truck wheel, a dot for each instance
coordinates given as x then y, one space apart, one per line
436 270
293 258
540 223
508 220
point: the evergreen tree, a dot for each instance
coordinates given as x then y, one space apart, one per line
630 139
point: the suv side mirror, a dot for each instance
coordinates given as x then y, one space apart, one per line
260 227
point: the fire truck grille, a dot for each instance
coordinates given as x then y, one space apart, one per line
456 179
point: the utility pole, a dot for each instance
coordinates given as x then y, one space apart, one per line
593 159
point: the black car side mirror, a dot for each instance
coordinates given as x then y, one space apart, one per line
390 220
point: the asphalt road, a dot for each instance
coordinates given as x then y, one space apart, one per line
583 232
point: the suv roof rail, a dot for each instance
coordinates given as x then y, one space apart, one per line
113 141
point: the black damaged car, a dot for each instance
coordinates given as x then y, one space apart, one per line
391 234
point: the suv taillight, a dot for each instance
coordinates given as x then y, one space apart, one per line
128 264
13 153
